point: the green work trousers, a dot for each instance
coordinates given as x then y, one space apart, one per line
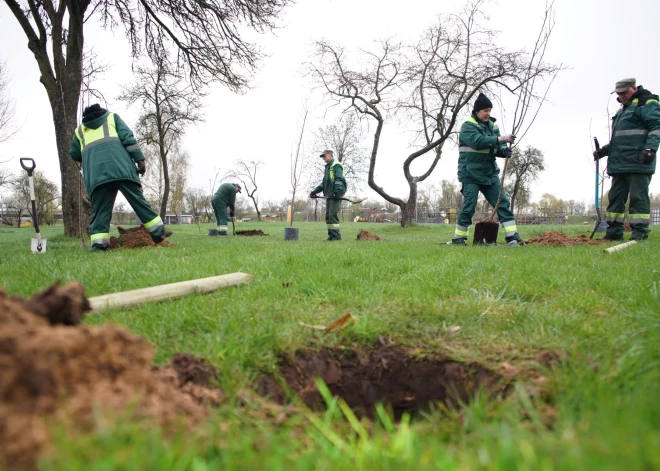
103 200
635 185
332 218
221 216
470 193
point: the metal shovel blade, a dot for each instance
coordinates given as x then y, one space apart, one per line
601 227
38 245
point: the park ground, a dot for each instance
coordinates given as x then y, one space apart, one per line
596 316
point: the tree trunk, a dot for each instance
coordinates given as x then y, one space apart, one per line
408 209
513 195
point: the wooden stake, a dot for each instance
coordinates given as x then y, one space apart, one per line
169 291
616 248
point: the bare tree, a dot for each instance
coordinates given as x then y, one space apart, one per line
168 107
246 173
193 198
7 107
47 196
206 40
525 167
430 86
179 174
297 161
346 138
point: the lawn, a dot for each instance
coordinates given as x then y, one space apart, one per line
598 409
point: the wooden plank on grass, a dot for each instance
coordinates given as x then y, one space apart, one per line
169 291
618 247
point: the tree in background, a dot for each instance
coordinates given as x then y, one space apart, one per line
7 107
46 193
346 138
246 173
169 105
193 198
524 168
206 41
179 180
432 87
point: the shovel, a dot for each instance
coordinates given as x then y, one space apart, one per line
486 232
37 244
600 226
341 199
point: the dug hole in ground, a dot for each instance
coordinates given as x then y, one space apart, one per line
58 371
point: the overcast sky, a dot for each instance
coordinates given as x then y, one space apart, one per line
601 41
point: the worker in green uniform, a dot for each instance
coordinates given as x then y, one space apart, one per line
223 198
631 159
479 144
109 153
333 187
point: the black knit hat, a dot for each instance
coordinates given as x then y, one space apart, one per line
482 103
92 112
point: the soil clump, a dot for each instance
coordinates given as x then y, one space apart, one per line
53 369
135 238
366 235
388 375
559 239
251 233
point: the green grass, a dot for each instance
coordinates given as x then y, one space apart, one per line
603 310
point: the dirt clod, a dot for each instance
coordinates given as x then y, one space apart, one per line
251 233
559 239
135 238
388 375
67 372
366 235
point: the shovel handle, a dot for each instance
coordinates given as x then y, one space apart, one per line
29 170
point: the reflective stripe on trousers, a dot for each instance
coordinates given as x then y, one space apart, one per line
614 217
154 224
461 232
102 238
509 228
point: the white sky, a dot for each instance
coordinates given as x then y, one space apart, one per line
601 41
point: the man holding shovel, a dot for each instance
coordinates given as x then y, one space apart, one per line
223 198
333 187
109 153
631 159
479 144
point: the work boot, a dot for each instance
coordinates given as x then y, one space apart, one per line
99 248
458 242
611 240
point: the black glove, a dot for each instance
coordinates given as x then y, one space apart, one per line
141 167
647 156
231 213
603 152
506 153
312 194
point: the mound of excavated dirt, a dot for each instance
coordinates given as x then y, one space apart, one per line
253 232
366 235
388 375
133 238
53 369
559 239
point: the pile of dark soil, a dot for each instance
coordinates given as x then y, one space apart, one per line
366 235
559 239
250 233
54 369
388 375
133 238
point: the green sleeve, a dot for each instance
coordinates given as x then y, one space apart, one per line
128 139
74 150
471 137
651 117
318 189
340 182
500 145
232 200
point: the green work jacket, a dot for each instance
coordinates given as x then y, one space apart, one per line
478 147
333 179
226 194
635 127
107 149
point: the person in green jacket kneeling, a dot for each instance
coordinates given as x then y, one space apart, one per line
631 159
479 144
109 153
223 198
333 187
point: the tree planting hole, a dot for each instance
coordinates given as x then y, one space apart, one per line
387 375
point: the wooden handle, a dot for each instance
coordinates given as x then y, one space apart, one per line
169 291
616 248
